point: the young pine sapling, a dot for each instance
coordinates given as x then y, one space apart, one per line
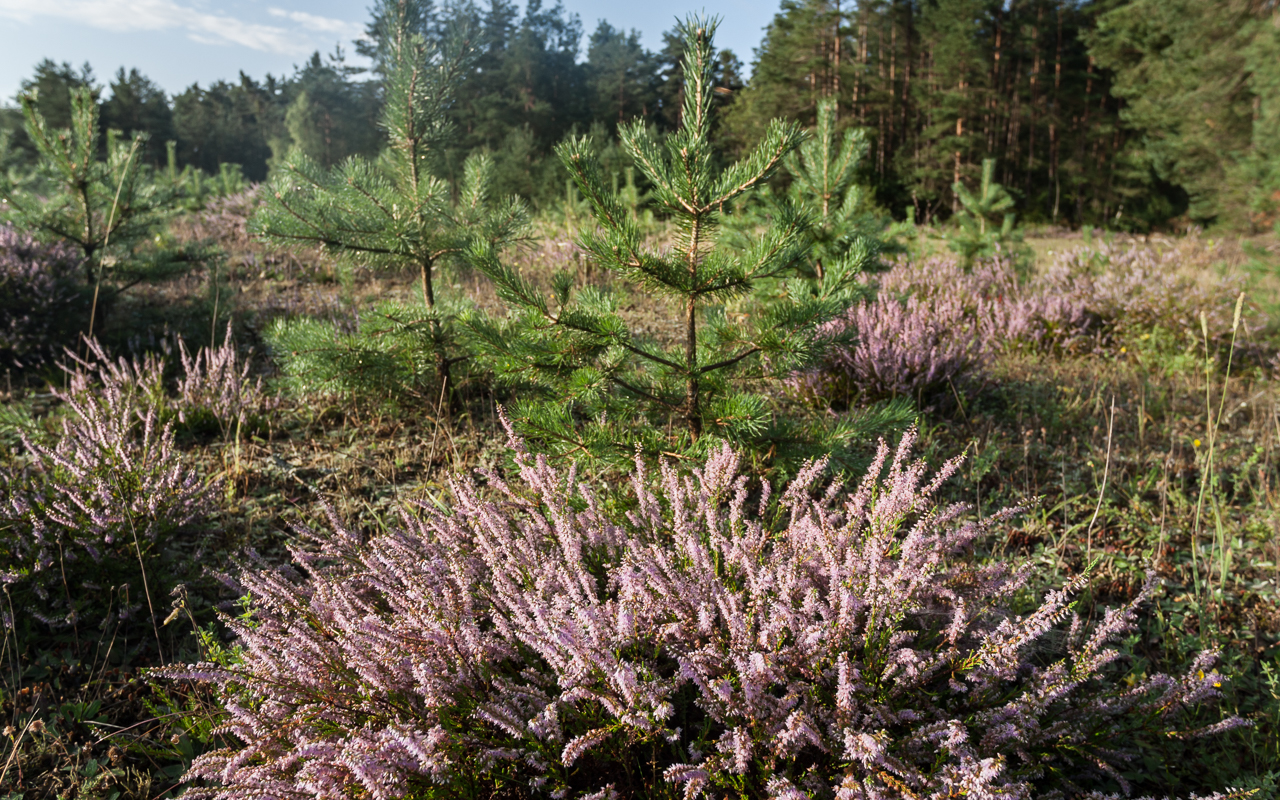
586 377
106 209
397 211
825 182
985 219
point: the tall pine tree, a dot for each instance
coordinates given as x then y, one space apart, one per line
622 75
1199 80
136 106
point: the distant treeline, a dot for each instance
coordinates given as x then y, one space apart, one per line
1129 113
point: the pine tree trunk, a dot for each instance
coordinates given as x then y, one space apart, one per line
693 414
880 73
863 56
428 291
989 123
893 83
955 199
835 72
1083 145
437 339
1053 120
91 267
1035 76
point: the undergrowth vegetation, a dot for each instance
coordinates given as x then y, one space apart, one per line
1143 463
877 515
716 638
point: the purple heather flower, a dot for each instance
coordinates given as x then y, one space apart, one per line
851 648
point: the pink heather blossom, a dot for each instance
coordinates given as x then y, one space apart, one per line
106 491
933 323
533 640
216 381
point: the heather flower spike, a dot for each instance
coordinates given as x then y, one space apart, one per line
530 640
935 322
95 502
216 381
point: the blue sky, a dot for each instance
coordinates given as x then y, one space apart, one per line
179 42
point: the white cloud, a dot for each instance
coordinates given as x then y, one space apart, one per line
339 27
161 15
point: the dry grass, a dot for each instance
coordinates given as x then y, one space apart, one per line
1041 428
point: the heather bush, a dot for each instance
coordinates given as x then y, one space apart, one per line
915 348
935 320
935 323
42 303
85 511
1134 290
139 382
216 386
213 390
226 219
716 640
1003 311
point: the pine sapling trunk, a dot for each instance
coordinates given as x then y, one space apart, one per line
89 246
437 333
693 415
428 292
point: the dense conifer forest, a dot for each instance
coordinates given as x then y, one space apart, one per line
1063 94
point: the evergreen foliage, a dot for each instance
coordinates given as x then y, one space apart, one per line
389 20
621 74
192 189
321 108
947 84
585 381
795 67
106 208
136 106
1201 80
234 123
386 356
825 182
397 212
53 86
1127 114
331 117
527 91
980 214
726 74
